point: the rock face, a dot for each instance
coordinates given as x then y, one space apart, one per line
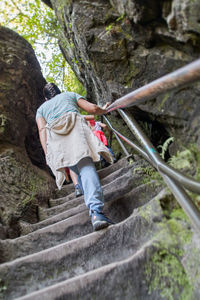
21 182
117 46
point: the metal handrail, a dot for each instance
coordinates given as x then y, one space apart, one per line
184 200
172 177
179 193
189 183
133 145
174 181
181 77
121 144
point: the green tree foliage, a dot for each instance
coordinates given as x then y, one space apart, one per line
72 83
37 23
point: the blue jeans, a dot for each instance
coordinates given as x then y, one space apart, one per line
93 193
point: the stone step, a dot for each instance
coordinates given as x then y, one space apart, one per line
117 280
108 179
121 185
66 190
118 165
71 228
67 260
45 213
52 235
69 188
26 228
117 174
56 202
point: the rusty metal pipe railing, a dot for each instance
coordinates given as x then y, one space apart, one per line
116 136
173 178
137 148
184 201
181 77
180 194
187 182
177 178
121 144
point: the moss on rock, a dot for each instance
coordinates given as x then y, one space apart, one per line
166 271
22 185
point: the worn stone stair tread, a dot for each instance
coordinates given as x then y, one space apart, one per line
27 228
118 186
123 162
110 176
68 189
24 283
65 230
68 229
56 202
61 200
116 174
35 271
55 261
66 198
108 179
71 228
89 284
48 212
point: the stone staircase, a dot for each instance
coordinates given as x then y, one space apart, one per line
62 258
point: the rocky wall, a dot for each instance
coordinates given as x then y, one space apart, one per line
115 47
22 184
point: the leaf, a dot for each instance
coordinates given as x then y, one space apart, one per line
164 147
37 23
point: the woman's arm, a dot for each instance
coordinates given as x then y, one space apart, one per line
89 117
92 108
42 133
104 126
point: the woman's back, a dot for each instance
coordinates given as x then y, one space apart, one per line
58 106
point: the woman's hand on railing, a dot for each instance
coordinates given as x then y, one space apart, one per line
106 105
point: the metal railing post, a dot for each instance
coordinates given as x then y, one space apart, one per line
181 77
117 138
173 178
189 183
184 200
137 148
121 144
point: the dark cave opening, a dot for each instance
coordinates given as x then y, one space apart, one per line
154 130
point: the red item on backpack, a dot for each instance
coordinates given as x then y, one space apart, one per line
101 136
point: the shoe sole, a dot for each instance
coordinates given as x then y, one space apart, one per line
98 225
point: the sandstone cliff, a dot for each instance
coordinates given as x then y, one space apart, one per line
117 46
21 182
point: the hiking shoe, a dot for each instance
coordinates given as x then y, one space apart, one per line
99 221
78 191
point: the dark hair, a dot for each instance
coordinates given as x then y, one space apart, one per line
50 90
